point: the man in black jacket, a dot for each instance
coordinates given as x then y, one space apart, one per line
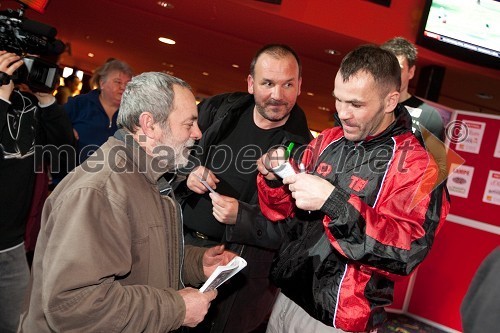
237 128
27 122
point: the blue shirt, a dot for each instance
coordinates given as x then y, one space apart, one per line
90 121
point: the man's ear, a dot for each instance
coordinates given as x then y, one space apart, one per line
147 124
411 72
250 83
392 100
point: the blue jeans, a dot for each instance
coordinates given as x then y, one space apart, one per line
14 279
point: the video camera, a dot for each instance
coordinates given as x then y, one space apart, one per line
22 36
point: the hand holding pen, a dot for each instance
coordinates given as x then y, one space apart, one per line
309 191
201 180
276 162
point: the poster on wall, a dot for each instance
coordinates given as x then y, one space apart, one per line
497 147
467 133
460 180
492 190
473 137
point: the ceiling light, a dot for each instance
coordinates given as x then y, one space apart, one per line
484 95
324 108
332 52
235 66
205 73
67 71
167 64
110 41
91 55
165 4
79 74
166 40
310 93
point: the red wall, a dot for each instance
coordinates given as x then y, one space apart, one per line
471 232
444 277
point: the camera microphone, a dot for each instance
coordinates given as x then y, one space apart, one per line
39 28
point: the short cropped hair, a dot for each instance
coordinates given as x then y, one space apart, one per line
381 64
277 51
402 47
148 92
70 79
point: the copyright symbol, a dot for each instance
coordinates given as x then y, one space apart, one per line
457 131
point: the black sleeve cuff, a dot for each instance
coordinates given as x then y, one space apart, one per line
336 203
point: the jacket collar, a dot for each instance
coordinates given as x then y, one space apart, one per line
145 163
400 125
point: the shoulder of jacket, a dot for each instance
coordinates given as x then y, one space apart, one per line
333 133
220 105
229 98
91 96
408 144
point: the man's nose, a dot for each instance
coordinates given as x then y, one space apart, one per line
277 93
342 111
196 132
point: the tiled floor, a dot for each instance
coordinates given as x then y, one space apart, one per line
404 324
396 323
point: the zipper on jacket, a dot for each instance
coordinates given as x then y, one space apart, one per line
181 243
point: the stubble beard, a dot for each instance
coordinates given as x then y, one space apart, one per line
177 154
268 115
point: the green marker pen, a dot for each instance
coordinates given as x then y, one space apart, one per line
289 149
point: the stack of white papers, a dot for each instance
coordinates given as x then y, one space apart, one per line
223 273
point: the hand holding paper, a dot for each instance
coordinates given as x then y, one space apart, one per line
202 179
223 273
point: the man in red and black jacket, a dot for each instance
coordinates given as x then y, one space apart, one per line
363 208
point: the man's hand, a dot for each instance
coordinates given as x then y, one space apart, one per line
198 174
9 63
272 159
75 133
214 257
197 305
309 191
225 208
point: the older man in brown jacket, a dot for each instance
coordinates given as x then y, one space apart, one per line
110 256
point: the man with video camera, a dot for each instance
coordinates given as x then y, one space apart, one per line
27 121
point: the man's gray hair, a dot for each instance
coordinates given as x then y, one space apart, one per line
111 65
148 92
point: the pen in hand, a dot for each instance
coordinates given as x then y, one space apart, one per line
204 182
302 169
